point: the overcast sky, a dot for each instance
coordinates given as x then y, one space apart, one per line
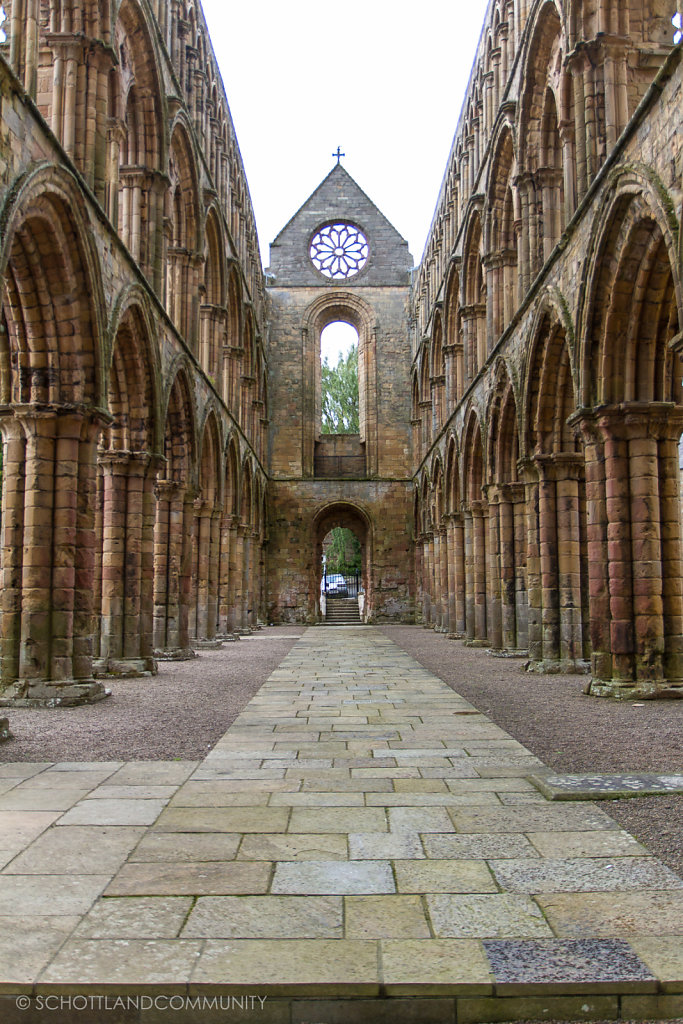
383 79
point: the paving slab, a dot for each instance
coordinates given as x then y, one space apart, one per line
176 847
29 941
567 964
135 918
267 917
186 877
584 874
486 916
385 917
604 786
425 876
326 877
77 849
293 967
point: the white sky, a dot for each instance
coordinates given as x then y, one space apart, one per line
383 79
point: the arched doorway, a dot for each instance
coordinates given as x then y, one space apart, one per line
328 524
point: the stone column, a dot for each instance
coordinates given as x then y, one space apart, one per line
459 579
508 576
529 472
188 545
672 549
48 540
518 492
444 623
468 565
479 511
426 580
634 589
436 578
127 576
225 536
203 515
548 554
168 558
569 470
214 569
419 594
494 601
12 525
245 531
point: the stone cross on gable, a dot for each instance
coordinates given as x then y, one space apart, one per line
339 154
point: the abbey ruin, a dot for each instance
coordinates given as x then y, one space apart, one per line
515 482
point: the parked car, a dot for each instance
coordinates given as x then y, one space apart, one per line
335 586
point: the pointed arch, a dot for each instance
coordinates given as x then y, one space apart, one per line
182 286
473 311
52 295
502 229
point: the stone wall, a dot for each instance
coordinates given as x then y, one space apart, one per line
376 502
547 320
133 365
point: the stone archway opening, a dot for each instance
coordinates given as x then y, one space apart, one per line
342 559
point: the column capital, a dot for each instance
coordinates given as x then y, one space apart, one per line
628 421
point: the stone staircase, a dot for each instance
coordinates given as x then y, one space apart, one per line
342 611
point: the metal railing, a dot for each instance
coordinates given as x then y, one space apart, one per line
336 584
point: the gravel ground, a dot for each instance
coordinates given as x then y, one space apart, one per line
178 714
569 731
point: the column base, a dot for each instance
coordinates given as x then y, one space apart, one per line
127 668
175 654
629 689
207 645
455 636
62 693
247 631
5 734
477 643
559 666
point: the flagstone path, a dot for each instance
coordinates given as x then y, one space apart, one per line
362 845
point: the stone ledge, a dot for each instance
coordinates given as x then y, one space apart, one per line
599 786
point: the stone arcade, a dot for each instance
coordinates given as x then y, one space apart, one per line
516 479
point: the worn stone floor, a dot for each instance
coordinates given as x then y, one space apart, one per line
360 833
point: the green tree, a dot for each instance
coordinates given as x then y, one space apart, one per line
343 553
340 395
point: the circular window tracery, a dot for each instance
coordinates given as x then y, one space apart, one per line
339 250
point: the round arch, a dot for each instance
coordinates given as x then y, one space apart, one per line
350 516
349 308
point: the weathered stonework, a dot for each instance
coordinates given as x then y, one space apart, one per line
547 314
133 369
310 489
516 480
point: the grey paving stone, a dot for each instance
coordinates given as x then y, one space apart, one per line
357 878
584 874
600 786
485 916
266 917
532 818
113 812
130 917
77 849
477 847
566 961
385 846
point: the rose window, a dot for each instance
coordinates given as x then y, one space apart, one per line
339 250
